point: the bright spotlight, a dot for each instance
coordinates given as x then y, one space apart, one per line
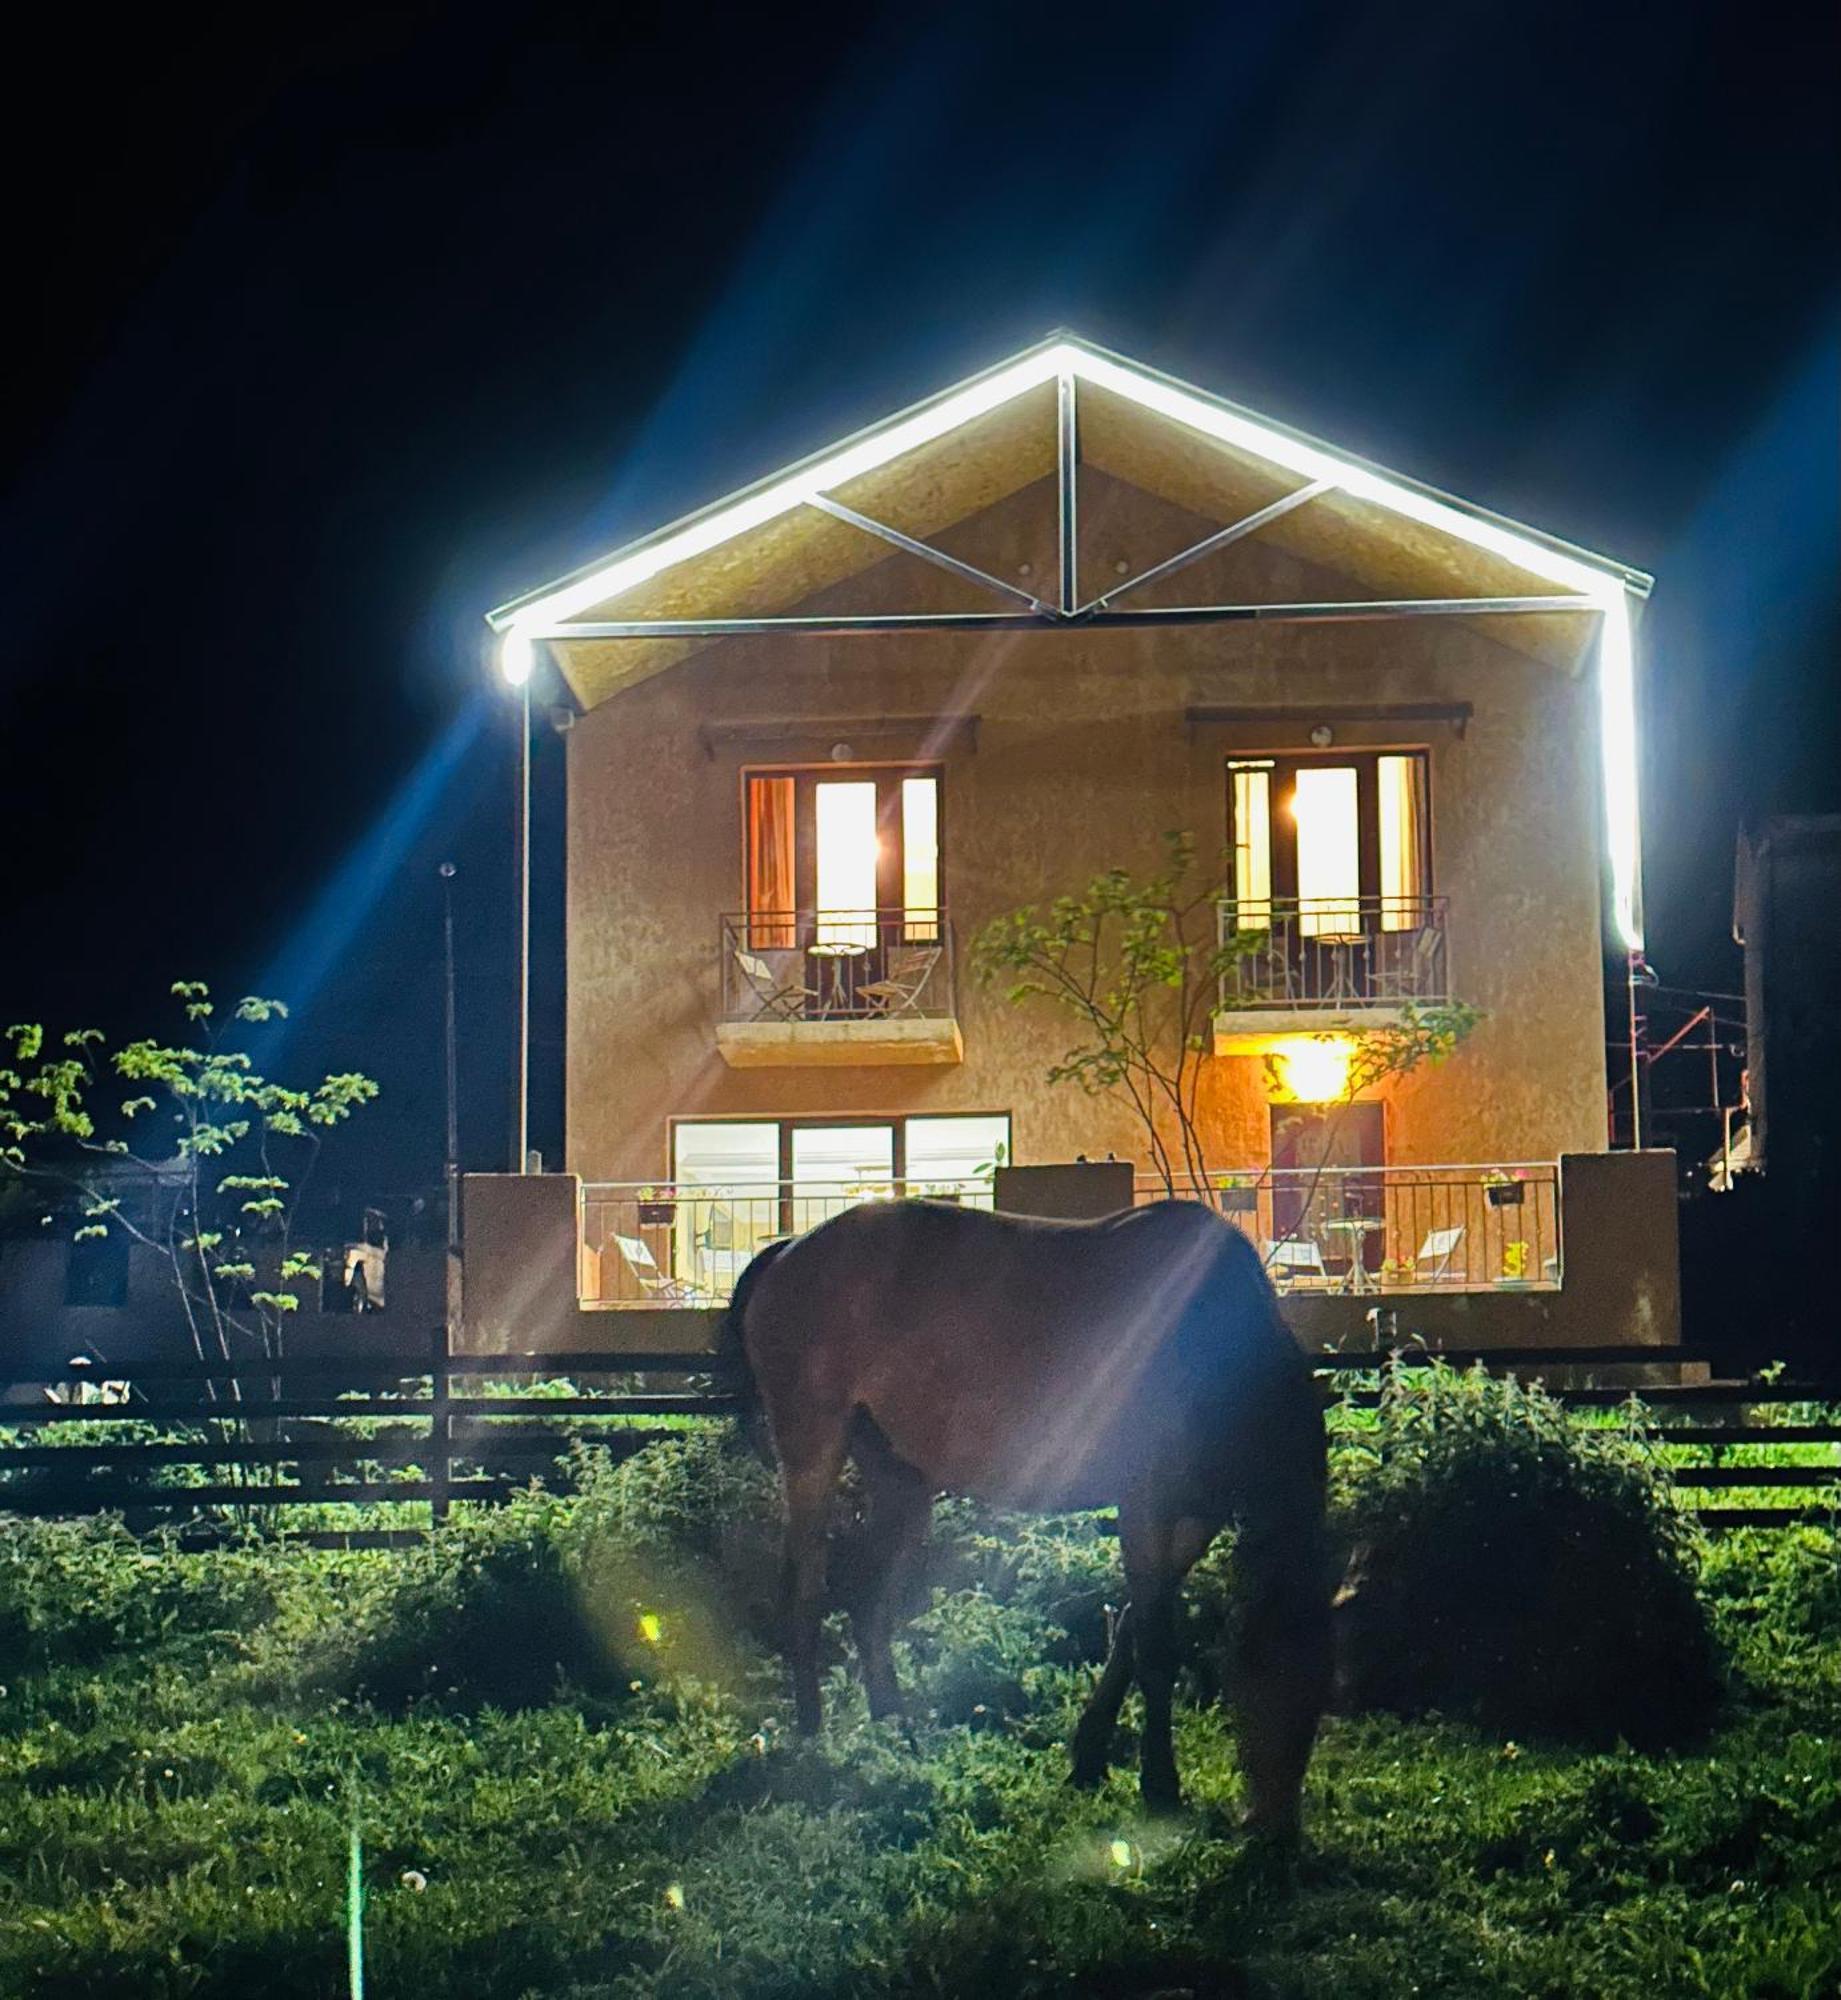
517 655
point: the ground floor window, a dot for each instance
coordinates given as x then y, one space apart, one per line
739 1182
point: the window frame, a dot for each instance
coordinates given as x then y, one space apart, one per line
888 777
1282 767
789 1121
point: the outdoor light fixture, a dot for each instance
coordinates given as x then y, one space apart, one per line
1316 1071
1593 585
517 655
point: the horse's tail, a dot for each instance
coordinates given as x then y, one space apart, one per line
732 1351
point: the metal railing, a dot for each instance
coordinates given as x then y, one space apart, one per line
1396 1228
1356 951
837 965
684 1245
1343 1229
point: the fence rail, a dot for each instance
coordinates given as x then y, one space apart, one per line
426 1447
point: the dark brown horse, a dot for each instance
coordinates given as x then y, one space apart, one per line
1138 1362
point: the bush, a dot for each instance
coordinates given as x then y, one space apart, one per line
75 1592
654 1565
1519 1568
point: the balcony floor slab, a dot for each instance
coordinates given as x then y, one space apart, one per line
839 1044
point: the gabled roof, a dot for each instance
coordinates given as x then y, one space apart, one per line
752 559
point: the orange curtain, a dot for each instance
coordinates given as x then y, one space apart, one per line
771 923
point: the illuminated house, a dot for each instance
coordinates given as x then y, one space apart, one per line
830 726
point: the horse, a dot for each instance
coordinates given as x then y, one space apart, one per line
1137 1361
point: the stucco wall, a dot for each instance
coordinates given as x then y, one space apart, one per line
1082 758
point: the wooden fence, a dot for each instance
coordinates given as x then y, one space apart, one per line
254 1442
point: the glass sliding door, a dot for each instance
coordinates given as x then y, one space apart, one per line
836 1166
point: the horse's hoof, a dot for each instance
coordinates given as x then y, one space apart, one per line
1162 1801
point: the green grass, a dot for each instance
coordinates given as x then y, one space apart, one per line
186 1740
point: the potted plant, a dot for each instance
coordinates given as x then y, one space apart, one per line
657 1208
1502 1190
1514 1264
1236 1194
1396 1271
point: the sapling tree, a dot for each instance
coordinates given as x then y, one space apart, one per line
220 1154
1137 963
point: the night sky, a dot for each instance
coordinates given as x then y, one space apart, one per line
331 333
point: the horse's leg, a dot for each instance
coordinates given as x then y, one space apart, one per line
900 1508
1100 1717
811 1457
1146 1533
1286 1656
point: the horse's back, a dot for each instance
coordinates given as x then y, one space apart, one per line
1019 1359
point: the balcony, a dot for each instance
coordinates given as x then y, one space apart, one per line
1579 1252
824 988
1378 1230
1318 967
684 1245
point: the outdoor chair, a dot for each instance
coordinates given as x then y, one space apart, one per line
1291 1260
779 995
1440 1250
1409 965
904 979
651 1281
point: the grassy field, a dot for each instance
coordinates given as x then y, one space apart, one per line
562 1747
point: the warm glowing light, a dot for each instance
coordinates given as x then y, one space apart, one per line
651 1627
1119 1853
1316 1071
1327 808
517 654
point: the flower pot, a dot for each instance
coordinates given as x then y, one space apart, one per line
1506 1194
658 1214
1237 1200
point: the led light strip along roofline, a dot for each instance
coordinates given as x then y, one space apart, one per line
547 616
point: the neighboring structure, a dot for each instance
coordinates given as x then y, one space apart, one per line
1773 1216
830 727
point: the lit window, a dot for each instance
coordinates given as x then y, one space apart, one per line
846 897
1252 845
1329 850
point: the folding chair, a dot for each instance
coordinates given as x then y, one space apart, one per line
1292 1259
904 980
1439 1250
777 996
649 1278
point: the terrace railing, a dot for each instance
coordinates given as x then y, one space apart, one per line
837 965
679 1244
1348 1229
1396 1228
1359 951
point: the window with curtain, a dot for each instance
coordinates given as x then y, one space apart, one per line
859 848
1344 837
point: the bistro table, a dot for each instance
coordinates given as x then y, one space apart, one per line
1357 1228
836 979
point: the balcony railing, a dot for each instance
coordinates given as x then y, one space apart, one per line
1396 1228
782 966
1354 952
1345 1229
684 1245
